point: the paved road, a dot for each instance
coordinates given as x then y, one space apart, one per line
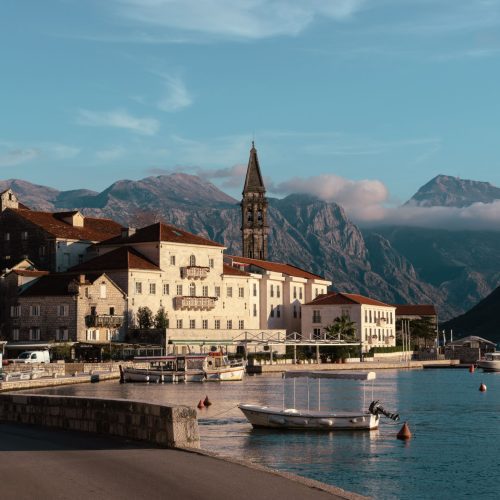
41 463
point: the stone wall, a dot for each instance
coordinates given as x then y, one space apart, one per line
167 426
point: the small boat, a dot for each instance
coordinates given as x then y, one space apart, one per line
490 362
218 367
307 419
166 369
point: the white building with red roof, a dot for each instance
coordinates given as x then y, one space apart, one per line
375 321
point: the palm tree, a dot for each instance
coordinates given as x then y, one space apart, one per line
343 328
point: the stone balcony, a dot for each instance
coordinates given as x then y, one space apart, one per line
104 320
191 303
195 272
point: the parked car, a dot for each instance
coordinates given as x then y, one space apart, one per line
33 357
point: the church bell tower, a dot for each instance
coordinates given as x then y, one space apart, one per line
254 227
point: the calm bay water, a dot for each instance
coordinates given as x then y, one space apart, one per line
455 451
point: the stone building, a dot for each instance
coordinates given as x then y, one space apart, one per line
52 241
375 321
254 225
69 308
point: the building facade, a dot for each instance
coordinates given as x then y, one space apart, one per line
375 321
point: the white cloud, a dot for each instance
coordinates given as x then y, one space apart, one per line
176 95
118 118
251 19
12 154
12 157
110 154
62 151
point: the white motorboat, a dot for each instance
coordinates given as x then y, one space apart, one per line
490 362
218 367
318 419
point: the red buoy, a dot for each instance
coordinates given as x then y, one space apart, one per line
200 405
471 369
482 387
207 401
404 433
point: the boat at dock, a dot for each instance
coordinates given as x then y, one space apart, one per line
218 367
318 419
490 362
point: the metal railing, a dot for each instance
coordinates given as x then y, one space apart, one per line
104 320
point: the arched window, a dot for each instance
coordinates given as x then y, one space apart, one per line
192 289
192 260
249 215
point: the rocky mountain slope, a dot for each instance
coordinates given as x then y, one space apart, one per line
447 191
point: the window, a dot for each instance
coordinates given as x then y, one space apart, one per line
294 292
294 311
15 334
138 287
278 291
204 324
6 236
179 323
300 293
24 235
152 289
205 291
315 292
166 289
317 333
278 312
241 292
179 289
92 334
61 334
272 311
192 260
241 324
316 316
345 313
255 310
192 323
255 289
211 263
217 291
172 260
229 291
102 291
192 290
62 310
370 315
35 310
271 291
111 311
34 333
229 324
15 311
366 316
217 324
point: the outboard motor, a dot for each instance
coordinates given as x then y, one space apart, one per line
376 408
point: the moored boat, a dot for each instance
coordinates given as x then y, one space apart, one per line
490 362
218 367
307 419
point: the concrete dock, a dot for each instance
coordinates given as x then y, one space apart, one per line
44 463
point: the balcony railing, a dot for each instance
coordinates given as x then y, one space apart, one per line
381 322
192 303
104 320
195 272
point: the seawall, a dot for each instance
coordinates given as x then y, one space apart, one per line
168 426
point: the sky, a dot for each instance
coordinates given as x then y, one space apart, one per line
356 101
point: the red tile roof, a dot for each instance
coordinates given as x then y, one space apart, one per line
345 298
233 271
122 258
162 232
29 272
415 310
93 229
56 284
276 267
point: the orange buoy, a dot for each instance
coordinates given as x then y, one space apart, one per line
207 401
404 432
200 404
471 369
482 387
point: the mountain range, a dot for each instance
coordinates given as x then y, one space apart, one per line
452 269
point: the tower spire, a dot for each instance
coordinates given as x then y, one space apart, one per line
254 227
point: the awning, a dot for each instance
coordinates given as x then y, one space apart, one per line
332 375
28 346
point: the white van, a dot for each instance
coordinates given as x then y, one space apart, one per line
33 357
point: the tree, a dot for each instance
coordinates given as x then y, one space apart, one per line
144 317
424 329
161 319
342 328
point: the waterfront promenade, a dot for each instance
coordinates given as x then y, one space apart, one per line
45 463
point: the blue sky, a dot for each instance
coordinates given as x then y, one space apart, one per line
349 98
